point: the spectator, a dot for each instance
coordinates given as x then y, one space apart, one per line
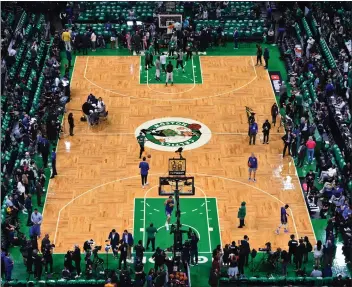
36 221
308 249
327 271
318 253
93 39
8 263
66 37
266 58
316 272
310 149
235 38
301 249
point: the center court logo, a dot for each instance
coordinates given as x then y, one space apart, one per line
168 134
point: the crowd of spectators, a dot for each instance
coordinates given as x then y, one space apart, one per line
32 131
320 97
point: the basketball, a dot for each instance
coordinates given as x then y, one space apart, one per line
249 164
149 155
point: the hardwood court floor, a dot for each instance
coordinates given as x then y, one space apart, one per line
98 167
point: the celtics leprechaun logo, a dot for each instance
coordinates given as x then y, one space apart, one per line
168 134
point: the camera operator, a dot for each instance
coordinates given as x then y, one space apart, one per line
68 261
194 248
159 258
76 257
89 265
87 246
139 252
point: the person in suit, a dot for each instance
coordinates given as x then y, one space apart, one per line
123 253
287 138
128 239
114 238
246 250
302 150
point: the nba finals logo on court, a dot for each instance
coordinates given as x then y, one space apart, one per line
168 134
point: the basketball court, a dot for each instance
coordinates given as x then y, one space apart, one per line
99 188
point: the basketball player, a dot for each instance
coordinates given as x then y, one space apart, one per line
141 141
169 206
169 74
284 215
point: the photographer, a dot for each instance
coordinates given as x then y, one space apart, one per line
68 261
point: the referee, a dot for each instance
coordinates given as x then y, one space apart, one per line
141 141
169 74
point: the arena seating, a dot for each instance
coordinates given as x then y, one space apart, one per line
23 73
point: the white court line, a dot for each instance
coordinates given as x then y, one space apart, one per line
217 215
234 180
173 93
88 191
145 194
201 70
190 226
172 100
57 144
299 183
156 174
206 210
